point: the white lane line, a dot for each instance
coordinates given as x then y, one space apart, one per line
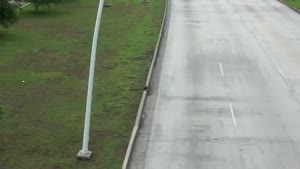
215 42
221 69
259 42
233 50
232 115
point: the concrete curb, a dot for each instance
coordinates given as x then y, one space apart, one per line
293 8
145 92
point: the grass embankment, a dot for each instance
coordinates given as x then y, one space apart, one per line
42 123
294 3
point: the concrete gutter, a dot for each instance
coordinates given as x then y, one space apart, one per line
145 92
293 8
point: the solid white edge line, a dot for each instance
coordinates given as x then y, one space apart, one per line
232 115
221 68
261 44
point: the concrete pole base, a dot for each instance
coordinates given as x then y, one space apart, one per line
84 156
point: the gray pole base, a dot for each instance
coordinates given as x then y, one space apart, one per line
85 156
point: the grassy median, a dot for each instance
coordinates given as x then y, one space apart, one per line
294 3
44 62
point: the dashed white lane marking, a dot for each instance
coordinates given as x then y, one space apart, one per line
232 115
259 41
205 12
215 41
221 69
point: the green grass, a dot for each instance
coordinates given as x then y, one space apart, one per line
42 120
294 3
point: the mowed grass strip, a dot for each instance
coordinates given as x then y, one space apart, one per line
44 62
294 3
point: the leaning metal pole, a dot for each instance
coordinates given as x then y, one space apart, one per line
85 153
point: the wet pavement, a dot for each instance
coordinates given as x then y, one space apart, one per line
225 93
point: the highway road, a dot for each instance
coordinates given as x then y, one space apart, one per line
226 89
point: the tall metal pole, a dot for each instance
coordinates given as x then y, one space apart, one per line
84 153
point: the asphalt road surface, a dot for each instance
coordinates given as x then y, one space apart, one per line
226 89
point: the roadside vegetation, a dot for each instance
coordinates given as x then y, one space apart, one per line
44 62
8 14
294 3
38 3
